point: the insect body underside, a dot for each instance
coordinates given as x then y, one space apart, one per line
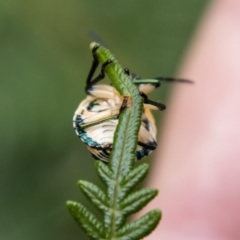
96 117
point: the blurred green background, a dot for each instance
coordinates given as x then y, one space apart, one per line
44 61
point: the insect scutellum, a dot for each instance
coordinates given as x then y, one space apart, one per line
96 117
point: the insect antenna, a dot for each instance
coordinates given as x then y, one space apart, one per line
171 79
96 38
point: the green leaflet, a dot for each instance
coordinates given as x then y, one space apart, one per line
94 194
87 221
139 228
135 201
120 176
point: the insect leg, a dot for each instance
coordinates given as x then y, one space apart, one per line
153 81
95 119
123 106
133 76
160 106
94 66
171 79
148 146
99 77
145 83
148 85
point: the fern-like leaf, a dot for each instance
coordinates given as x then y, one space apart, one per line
94 194
132 179
137 200
120 176
104 172
86 220
140 228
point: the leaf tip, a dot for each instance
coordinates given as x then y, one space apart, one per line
71 205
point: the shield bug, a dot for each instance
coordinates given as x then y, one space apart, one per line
96 117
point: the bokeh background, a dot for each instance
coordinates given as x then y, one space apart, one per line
44 61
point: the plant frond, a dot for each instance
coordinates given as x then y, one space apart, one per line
120 176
